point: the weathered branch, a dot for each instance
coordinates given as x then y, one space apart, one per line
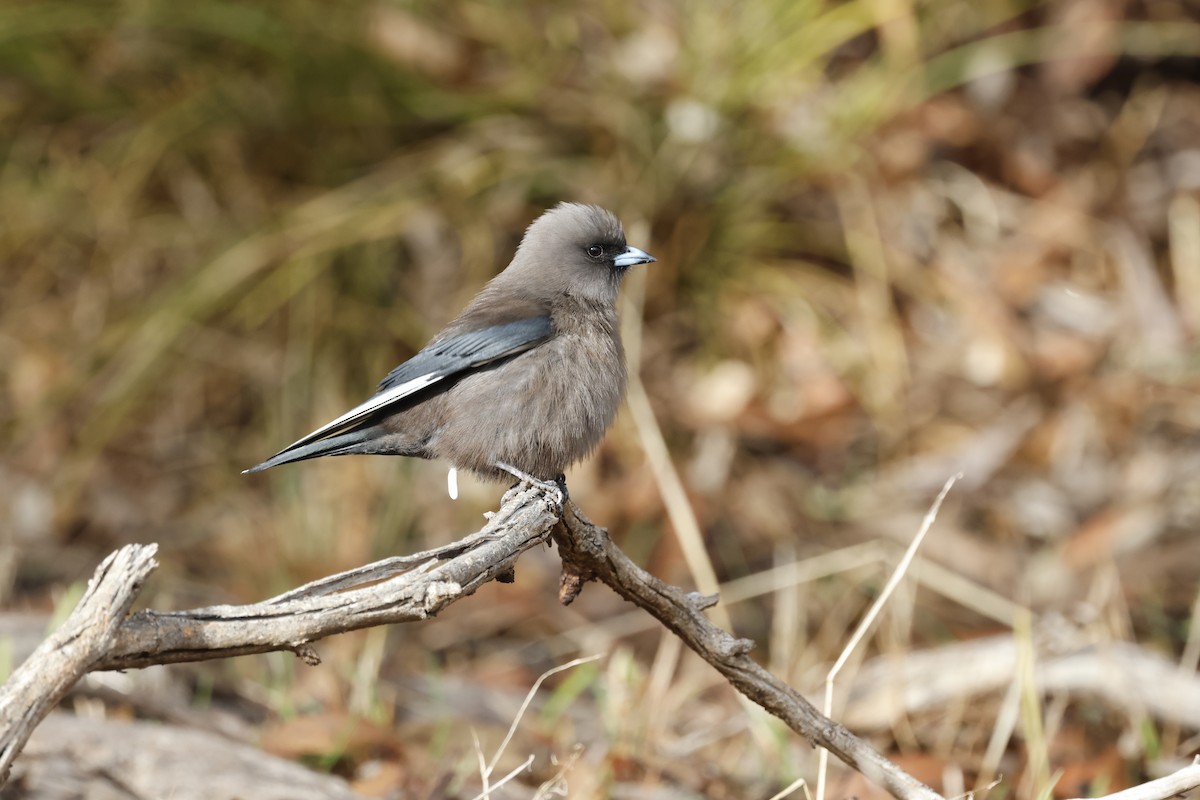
99 635
71 651
395 590
588 554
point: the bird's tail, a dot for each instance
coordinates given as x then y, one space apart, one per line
343 444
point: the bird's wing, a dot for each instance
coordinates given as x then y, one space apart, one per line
439 360
469 350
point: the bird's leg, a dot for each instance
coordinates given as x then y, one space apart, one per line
553 489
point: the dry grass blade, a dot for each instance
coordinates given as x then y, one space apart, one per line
484 795
1184 222
873 612
512 728
790 789
679 508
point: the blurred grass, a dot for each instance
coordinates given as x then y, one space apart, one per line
879 225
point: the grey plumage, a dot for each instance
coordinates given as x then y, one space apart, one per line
530 374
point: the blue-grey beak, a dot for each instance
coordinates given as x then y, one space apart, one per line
633 256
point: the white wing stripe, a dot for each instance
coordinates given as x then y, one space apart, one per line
373 404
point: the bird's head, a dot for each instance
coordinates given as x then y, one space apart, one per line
577 249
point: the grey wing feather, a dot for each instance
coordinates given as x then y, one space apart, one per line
439 360
470 350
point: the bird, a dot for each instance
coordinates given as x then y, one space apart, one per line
525 381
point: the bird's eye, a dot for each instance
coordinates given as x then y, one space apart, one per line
595 251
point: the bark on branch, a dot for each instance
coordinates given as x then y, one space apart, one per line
99 634
400 589
71 651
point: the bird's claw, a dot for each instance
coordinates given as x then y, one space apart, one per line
554 490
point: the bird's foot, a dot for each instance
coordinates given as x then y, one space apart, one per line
556 489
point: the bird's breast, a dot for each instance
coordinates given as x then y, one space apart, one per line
542 410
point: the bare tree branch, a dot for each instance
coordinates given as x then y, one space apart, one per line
73 650
99 635
390 591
